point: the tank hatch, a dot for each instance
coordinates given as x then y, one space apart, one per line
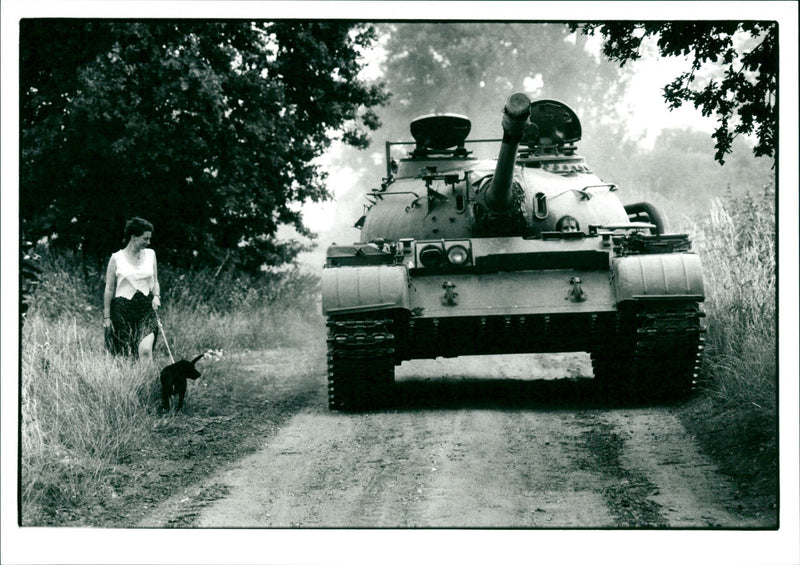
555 124
436 133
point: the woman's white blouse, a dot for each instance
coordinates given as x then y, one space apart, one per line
131 278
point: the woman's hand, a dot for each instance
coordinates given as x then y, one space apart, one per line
156 302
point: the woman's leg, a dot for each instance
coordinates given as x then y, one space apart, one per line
146 347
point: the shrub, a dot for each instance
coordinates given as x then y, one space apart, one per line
73 286
226 291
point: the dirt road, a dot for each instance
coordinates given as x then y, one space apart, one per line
492 442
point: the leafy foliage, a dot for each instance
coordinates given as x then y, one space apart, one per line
209 130
742 87
472 68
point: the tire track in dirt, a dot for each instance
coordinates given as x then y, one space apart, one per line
624 490
510 469
686 484
328 470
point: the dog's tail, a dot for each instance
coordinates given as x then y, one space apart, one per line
196 359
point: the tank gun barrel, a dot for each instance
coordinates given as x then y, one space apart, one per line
515 118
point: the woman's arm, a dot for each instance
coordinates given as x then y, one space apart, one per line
108 294
156 286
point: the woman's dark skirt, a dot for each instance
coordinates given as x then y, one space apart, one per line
132 320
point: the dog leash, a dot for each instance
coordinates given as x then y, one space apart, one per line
164 335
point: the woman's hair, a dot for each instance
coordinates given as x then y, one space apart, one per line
563 220
136 226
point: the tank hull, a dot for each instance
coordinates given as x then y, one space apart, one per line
638 315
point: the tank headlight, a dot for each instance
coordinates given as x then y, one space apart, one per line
431 256
457 255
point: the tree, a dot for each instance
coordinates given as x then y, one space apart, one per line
208 129
742 58
472 68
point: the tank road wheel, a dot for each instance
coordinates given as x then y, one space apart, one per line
361 358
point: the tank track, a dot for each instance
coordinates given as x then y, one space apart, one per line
658 355
361 360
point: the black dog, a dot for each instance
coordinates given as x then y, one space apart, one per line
173 381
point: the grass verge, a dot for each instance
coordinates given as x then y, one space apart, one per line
735 418
94 449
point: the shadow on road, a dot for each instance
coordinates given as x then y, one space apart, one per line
569 393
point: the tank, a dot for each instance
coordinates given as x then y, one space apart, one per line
528 252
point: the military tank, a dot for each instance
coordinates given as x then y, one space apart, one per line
530 252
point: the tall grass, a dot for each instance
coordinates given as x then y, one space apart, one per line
736 241
737 244
85 412
204 310
82 412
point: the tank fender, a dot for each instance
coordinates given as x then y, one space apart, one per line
348 290
663 276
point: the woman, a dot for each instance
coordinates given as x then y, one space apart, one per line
132 294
